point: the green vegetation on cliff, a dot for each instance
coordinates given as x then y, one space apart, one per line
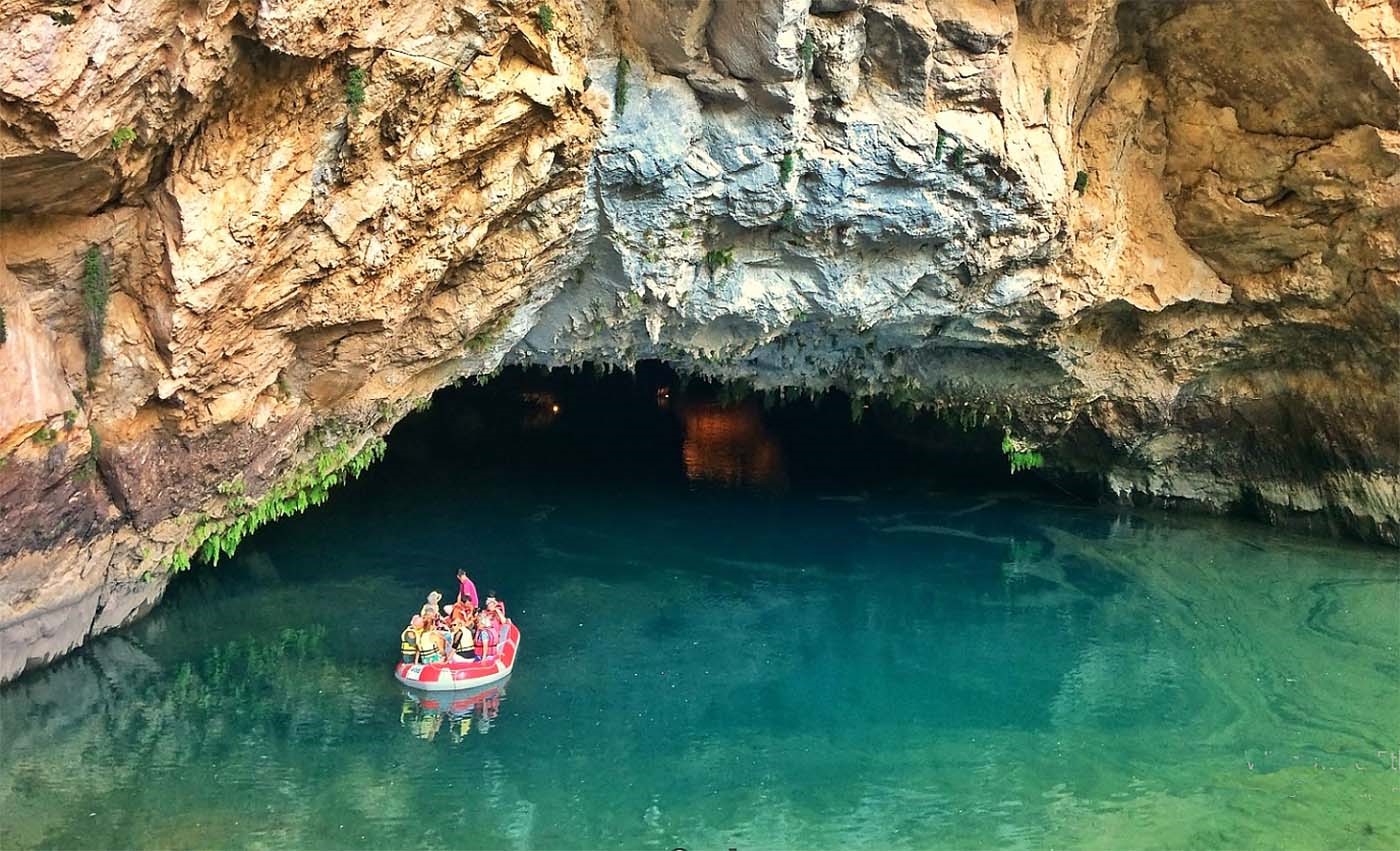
122 136
87 471
785 168
719 258
355 88
97 281
308 485
620 86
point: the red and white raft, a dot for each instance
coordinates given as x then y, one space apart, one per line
453 676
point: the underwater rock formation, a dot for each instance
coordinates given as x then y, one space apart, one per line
1159 243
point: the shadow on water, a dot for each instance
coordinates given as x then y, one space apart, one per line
745 626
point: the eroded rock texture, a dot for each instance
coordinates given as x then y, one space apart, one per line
1156 240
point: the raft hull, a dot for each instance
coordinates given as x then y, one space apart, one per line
455 676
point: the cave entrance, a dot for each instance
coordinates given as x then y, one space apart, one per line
651 423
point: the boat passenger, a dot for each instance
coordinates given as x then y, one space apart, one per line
444 627
494 604
408 640
501 628
462 609
485 637
496 613
430 647
462 638
466 588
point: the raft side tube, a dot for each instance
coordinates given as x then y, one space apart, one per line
455 676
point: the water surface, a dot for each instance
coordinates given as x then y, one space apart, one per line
721 650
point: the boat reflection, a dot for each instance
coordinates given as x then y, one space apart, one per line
729 445
425 714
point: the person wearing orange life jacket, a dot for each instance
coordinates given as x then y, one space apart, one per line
462 609
458 635
463 618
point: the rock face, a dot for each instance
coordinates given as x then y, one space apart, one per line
1159 242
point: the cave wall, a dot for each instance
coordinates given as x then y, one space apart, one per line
1158 241
1143 236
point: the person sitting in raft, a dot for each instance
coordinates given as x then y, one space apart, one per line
430 649
462 638
485 637
497 612
408 640
462 609
430 608
502 627
443 626
496 607
450 631
429 618
460 616
466 589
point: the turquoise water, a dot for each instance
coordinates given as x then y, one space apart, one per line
723 650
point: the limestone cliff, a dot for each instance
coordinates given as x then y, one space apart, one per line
1156 241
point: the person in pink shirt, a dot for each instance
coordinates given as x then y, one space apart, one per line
466 589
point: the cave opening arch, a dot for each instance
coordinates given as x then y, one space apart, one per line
653 422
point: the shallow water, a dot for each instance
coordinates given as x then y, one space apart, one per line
719 652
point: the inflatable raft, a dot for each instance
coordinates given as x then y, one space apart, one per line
455 676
